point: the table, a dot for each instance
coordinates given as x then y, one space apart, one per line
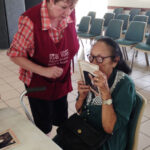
30 137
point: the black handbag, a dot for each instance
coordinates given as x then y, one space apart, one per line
76 134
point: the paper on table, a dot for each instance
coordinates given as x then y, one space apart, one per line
8 139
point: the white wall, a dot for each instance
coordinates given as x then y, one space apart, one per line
84 6
130 3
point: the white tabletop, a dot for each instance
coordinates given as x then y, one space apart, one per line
30 137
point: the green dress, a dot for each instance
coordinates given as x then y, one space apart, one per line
123 97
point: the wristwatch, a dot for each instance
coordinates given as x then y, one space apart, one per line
107 102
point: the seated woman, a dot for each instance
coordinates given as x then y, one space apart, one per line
111 109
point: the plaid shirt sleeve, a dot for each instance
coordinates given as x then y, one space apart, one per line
23 42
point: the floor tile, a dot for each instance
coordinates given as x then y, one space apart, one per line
9 94
145 128
144 141
3 105
147 148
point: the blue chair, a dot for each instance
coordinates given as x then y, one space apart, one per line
113 30
117 11
135 121
107 18
142 18
148 14
125 19
148 23
93 15
84 25
95 29
133 12
134 35
143 47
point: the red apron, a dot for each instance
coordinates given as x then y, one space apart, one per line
48 53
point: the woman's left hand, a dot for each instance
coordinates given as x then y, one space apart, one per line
101 81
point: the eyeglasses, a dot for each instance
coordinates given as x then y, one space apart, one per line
99 59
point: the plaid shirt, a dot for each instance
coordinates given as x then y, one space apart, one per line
23 42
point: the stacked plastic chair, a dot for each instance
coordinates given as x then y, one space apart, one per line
107 18
148 23
117 11
84 25
113 30
143 47
95 30
134 35
142 18
133 12
93 15
125 19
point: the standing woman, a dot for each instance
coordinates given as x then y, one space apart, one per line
43 47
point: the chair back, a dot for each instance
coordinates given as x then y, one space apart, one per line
125 19
114 29
135 121
107 18
148 40
142 18
148 14
117 11
84 24
96 27
136 31
92 14
133 12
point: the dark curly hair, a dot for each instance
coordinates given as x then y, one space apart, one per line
116 51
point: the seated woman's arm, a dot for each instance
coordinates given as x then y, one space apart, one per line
109 116
123 101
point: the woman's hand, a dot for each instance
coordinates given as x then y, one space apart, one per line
52 72
83 89
101 81
49 72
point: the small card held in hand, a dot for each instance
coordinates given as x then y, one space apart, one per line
87 72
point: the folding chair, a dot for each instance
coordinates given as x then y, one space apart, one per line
117 11
135 121
143 47
133 36
113 30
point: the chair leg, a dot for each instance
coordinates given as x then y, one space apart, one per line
134 53
146 57
123 53
82 43
126 53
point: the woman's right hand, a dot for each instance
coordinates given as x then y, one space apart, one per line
83 89
52 72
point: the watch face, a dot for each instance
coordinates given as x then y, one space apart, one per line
108 102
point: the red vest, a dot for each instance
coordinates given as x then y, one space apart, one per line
48 53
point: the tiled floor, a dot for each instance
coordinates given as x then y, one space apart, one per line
11 88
